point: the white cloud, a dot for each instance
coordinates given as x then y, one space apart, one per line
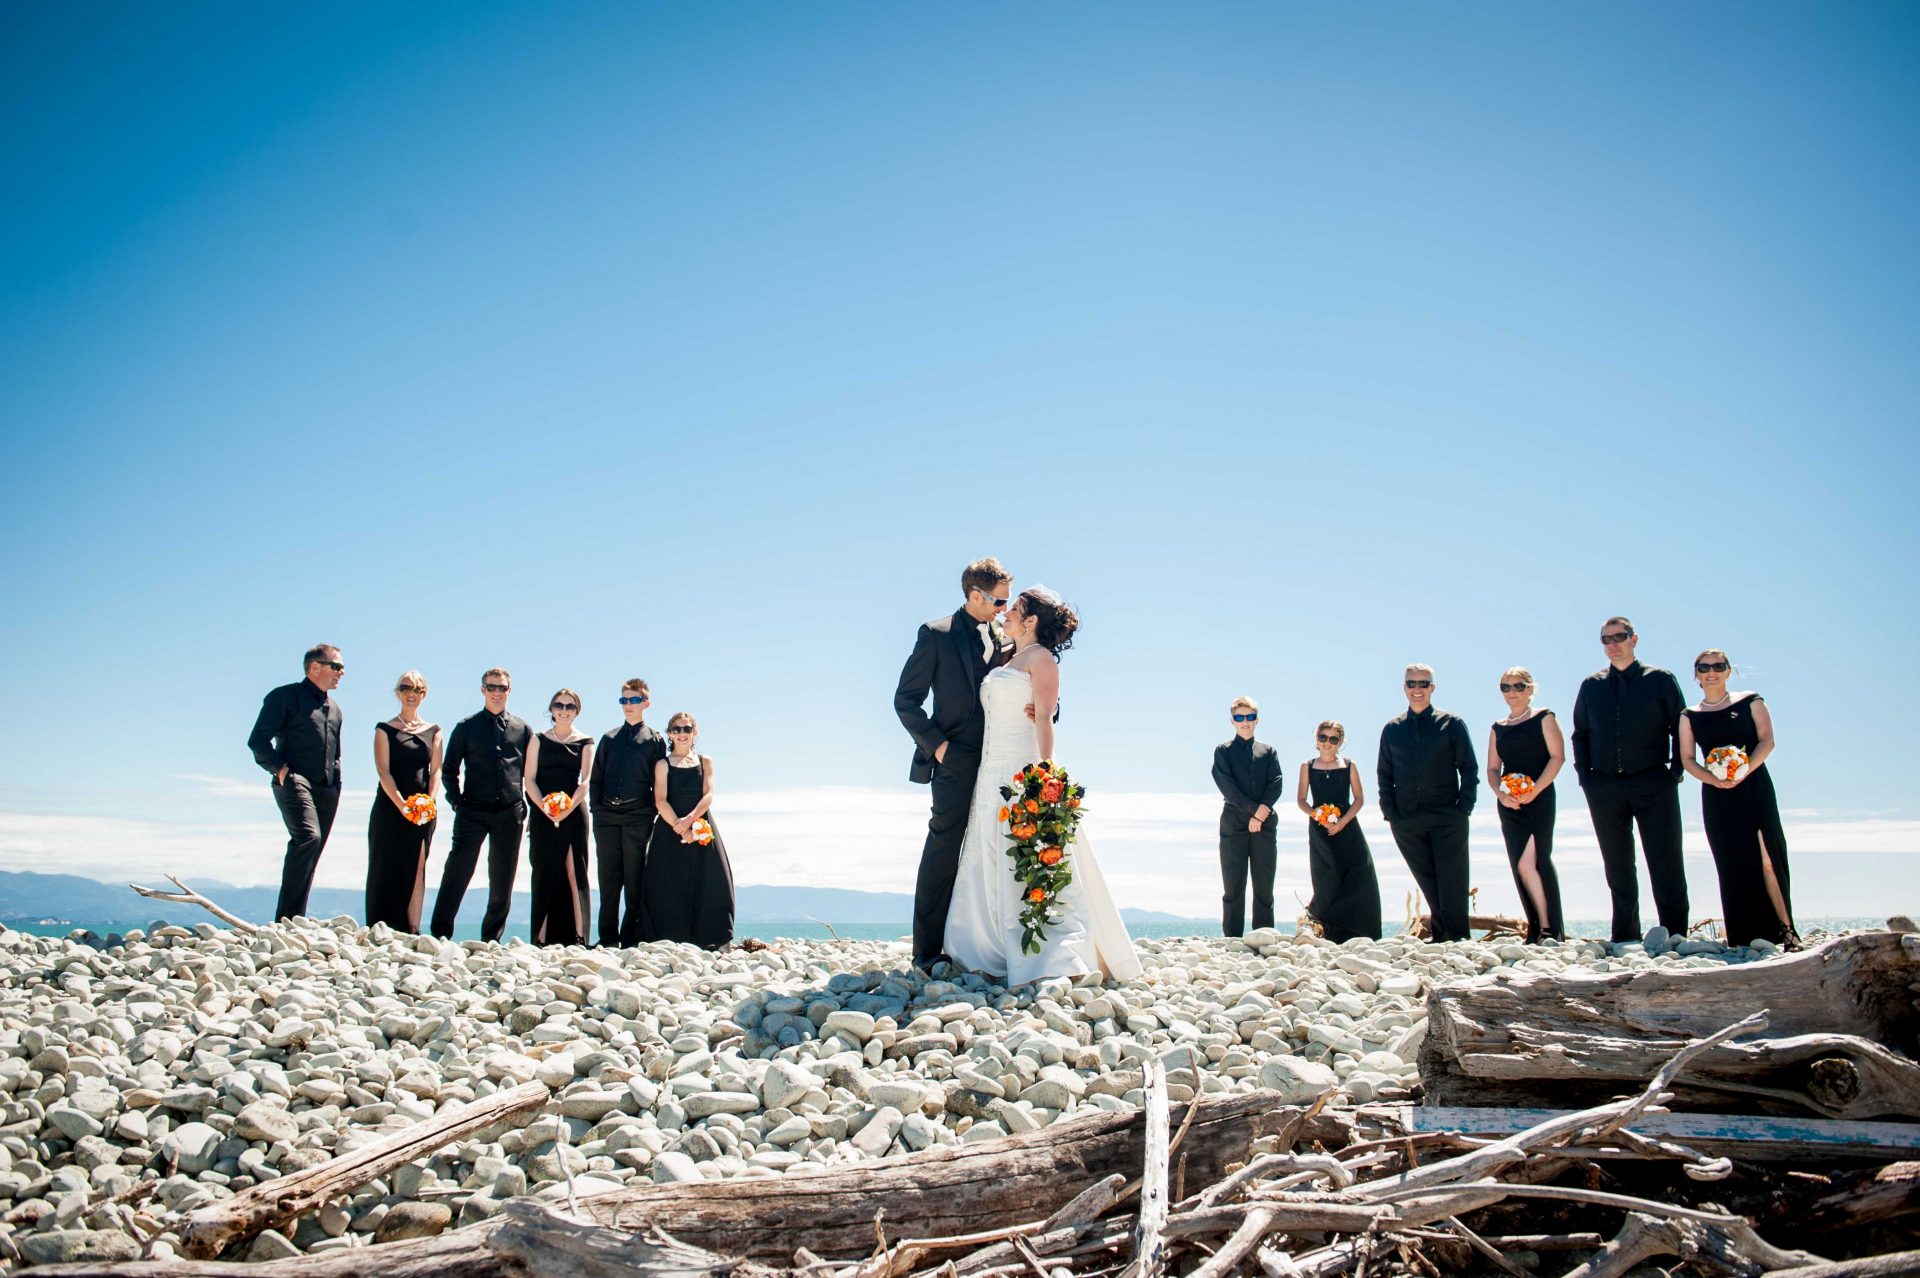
1158 849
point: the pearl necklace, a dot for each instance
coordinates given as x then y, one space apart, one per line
1715 705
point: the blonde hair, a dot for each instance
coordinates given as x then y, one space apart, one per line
1522 671
411 676
1421 666
1333 725
1248 702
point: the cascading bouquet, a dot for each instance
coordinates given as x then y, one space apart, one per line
1516 784
701 832
1728 763
1042 814
1326 814
557 804
419 809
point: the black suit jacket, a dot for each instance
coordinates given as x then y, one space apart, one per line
948 662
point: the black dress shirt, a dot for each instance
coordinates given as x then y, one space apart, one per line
1627 721
623 769
1427 765
1248 774
494 749
299 730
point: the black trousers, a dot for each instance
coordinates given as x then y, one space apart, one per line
500 830
1434 846
1241 853
953 783
1650 799
621 838
308 812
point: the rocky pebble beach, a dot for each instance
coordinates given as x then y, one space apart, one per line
144 1076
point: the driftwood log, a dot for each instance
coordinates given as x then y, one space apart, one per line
953 1191
1842 1020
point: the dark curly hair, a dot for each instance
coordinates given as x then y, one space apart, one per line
1055 621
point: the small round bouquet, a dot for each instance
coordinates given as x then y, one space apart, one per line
1728 763
1042 814
419 808
557 804
700 832
1516 784
1326 814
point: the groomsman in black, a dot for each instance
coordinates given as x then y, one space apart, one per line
1429 778
1248 775
951 655
489 806
1626 752
296 738
623 811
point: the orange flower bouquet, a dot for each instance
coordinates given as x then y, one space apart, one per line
419 809
1326 814
1042 815
702 832
1516 783
1728 763
557 804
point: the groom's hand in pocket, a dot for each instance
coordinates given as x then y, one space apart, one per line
940 751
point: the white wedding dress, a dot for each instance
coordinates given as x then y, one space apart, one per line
983 922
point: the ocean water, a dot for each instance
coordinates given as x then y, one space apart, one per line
809 930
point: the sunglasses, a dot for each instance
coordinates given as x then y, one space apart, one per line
1419 683
633 701
1246 718
411 687
564 705
1324 739
1618 636
684 730
496 687
1514 687
998 603
1705 667
334 666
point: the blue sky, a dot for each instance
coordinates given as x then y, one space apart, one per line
706 343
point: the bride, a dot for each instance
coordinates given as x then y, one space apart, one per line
983 922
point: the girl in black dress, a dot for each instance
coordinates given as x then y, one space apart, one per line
1346 894
559 762
406 759
687 888
1528 743
1741 813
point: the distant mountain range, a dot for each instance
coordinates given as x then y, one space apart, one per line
29 897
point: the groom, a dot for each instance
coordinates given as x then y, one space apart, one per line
951 655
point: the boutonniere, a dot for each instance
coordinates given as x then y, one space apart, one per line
999 635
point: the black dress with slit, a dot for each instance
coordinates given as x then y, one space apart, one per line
1740 822
687 888
558 852
1523 749
1346 893
396 847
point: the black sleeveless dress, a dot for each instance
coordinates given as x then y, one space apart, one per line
558 852
1346 894
1523 749
687 888
396 847
1738 821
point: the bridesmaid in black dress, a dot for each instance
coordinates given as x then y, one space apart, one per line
1742 815
687 886
406 759
559 761
1346 894
1528 742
